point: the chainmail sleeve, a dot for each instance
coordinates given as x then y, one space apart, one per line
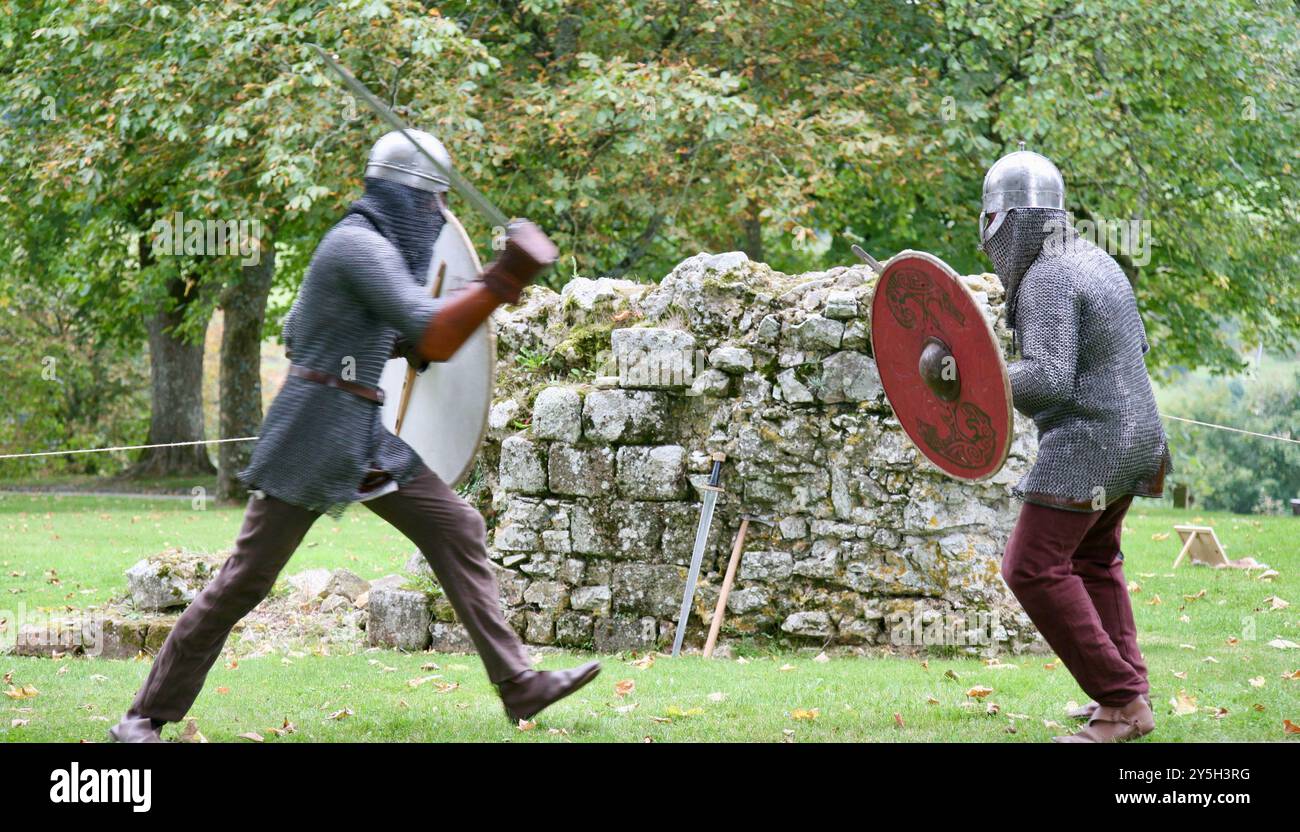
1048 325
378 280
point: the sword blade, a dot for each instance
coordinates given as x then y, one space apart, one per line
459 183
697 555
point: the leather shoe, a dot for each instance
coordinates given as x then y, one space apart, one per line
1110 724
527 694
1085 712
135 728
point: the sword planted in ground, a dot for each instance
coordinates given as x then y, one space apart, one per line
711 492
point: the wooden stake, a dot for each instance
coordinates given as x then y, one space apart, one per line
727 581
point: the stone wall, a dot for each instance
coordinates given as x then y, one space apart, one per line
599 439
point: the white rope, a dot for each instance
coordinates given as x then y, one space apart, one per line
252 438
1233 430
129 448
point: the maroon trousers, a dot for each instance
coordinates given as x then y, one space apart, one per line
447 530
1066 569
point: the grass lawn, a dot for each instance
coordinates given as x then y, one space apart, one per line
1209 646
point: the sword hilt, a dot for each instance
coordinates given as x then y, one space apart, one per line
715 476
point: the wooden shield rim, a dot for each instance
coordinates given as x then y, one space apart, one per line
453 225
993 341
454 222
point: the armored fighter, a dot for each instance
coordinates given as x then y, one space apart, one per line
323 444
1082 379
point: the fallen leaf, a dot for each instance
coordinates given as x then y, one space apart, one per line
1232 641
446 687
1289 727
223 690
423 680
624 687
979 692
24 692
191 733
950 674
1183 704
1180 674
1276 603
1283 644
627 709
525 725
786 667
807 714
340 714
1159 536
645 662
252 736
1155 601
1134 587
1257 682
717 696
17 723
1198 596
1293 675
1267 575
993 709
898 720
821 657
1220 713
930 700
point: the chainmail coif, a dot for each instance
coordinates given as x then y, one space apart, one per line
317 443
1081 376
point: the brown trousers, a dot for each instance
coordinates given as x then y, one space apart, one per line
1067 571
447 530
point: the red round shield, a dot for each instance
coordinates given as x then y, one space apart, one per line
941 366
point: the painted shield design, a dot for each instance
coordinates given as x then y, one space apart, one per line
442 412
941 366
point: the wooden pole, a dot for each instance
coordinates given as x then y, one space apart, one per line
410 370
727 581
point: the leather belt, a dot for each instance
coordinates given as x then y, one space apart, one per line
373 394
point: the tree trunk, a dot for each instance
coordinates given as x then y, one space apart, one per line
244 306
753 235
176 387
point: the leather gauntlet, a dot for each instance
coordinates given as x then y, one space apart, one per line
527 254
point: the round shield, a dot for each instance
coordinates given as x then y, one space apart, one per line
442 412
941 366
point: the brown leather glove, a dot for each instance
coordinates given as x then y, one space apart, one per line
527 254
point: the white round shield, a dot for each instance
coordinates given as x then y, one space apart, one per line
442 412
